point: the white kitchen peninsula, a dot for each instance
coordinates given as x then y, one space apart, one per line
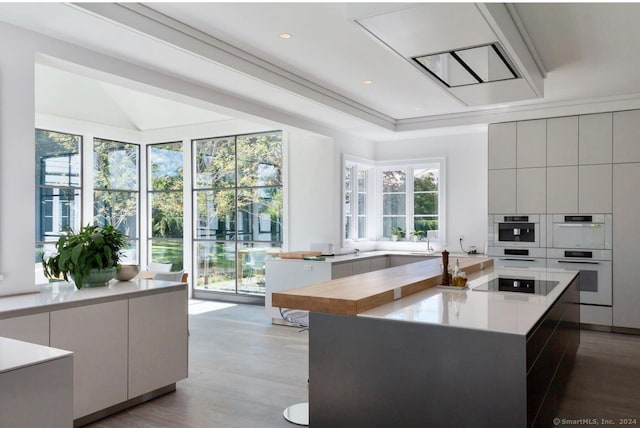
129 339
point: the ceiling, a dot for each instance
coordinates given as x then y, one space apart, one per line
316 76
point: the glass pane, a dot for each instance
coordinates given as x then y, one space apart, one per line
347 227
215 163
252 266
425 203
115 165
56 209
426 224
347 178
166 166
393 204
426 179
389 223
167 251
260 160
216 214
166 215
347 203
130 253
393 181
260 214
119 209
362 180
58 161
362 227
216 266
362 203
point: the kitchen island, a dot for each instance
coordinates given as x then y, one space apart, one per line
443 357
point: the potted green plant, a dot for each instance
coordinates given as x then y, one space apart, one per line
397 233
418 234
90 257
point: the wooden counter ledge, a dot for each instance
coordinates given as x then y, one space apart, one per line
355 294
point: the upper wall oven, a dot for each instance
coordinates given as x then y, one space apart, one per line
582 231
517 231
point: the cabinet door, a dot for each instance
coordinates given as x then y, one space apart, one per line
28 328
341 270
562 189
361 266
531 148
379 263
158 341
595 139
502 145
626 136
562 141
502 191
97 335
531 190
594 188
626 205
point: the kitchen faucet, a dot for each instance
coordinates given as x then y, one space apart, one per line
356 251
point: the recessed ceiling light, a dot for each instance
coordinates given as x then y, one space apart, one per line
367 82
285 36
418 108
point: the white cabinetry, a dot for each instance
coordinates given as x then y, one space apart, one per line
341 270
531 190
502 191
562 141
379 263
595 139
626 136
29 328
158 342
531 146
562 189
502 145
594 188
626 205
97 335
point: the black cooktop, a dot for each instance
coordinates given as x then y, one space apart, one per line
518 285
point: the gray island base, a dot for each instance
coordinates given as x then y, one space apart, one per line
402 365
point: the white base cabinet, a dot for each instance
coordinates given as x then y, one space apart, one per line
28 328
158 341
97 335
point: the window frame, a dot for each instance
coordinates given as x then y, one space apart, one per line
409 166
358 164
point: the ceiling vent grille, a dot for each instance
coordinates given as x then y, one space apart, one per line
468 66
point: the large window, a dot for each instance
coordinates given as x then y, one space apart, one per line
237 194
356 200
166 204
116 190
412 199
58 181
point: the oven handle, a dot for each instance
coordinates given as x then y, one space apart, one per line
518 260
585 262
578 224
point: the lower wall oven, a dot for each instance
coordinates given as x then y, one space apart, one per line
518 257
595 281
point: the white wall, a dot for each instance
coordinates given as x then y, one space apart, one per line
466 180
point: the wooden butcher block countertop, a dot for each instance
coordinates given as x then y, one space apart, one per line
358 293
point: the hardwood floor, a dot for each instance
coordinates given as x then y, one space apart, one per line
243 371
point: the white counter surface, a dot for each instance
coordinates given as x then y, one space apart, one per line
369 254
15 354
61 295
504 312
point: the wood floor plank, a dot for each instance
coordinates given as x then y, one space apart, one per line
243 371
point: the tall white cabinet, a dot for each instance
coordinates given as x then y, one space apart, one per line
576 164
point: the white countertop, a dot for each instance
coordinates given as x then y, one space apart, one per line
59 295
369 254
503 312
15 354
